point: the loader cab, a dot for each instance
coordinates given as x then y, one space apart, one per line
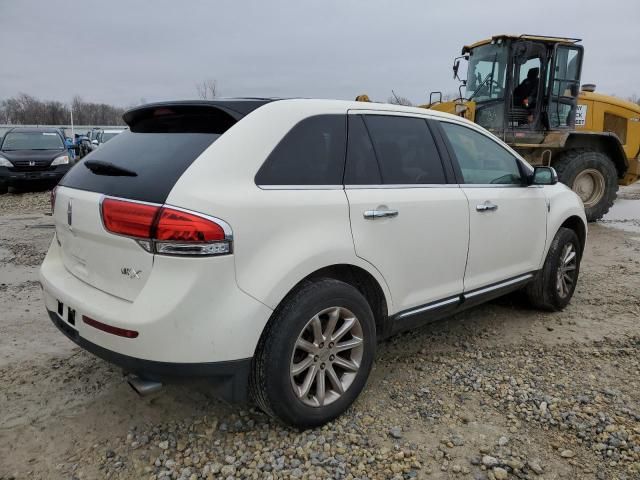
523 86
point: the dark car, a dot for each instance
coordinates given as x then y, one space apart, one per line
32 155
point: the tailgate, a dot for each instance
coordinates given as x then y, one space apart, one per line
112 263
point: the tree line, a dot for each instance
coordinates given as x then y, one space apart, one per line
25 109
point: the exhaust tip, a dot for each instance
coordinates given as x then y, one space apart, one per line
142 386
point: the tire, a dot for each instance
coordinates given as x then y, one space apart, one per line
545 292
580 168
4 188
272 384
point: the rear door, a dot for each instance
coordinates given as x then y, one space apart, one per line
406 219
507 231
141 165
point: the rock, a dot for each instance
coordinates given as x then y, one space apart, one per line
535 467
543 408
567 454
163 445
395 432
500 473
489 461
502 441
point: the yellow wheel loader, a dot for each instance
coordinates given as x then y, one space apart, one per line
526 90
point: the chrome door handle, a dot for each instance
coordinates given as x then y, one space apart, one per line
373 214
486 206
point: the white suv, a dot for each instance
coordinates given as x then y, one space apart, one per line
269 244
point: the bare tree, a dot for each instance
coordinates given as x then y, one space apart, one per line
24 109
635 99
396 100
207 89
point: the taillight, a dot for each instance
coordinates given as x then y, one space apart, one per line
166 230
182 226
128 218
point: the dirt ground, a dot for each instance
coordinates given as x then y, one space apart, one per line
501 391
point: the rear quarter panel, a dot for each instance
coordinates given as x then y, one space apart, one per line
280 235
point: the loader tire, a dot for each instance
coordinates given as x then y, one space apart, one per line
593 176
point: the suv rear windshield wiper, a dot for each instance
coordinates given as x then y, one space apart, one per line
107 168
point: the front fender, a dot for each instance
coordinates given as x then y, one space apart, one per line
563 205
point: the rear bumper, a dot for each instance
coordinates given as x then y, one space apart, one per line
9 176
189 312
231 377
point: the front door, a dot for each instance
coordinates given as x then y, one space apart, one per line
406 219
507 218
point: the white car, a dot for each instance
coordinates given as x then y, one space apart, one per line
270 244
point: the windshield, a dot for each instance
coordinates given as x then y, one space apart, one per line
486 76
32 141
108 136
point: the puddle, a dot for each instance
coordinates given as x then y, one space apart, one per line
624 215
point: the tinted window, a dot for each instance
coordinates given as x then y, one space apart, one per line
312 153
406 151
158 159
481 160
362 166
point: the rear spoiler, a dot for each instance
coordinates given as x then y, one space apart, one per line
191 116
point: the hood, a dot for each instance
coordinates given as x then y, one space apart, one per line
40 157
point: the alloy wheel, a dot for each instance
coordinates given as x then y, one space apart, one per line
567 270
326 356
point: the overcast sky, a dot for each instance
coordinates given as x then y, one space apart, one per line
123 51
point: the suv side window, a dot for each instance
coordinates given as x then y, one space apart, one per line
312 153
362 166
406 150
481 160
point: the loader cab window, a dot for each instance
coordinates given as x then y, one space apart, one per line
486 83
527 84
565 78
487 72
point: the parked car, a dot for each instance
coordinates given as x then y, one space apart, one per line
91 142
32 155
272 256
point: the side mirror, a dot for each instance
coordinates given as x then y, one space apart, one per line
456 66
94 142
544 176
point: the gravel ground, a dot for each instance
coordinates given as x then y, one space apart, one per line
498 392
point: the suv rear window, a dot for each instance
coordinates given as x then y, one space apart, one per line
312 153
163 142
157 159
